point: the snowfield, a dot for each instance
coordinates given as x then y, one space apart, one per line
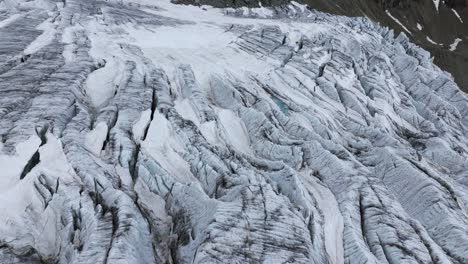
149 132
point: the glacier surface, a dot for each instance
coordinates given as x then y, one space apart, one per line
140 131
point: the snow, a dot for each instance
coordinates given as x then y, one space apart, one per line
140 126
302 7
18 198
235 131
334 169
9 4
294 38
397 21
47 36
209 131
333 226
261 12
455 43
189 43
431 41
102 84
185 109
202 30
12 165
68 38
96 137
9 20
27 4
436 4
457 15
52 153
164 147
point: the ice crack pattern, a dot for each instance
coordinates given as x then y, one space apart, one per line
146 132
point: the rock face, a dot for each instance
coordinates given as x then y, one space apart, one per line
146 132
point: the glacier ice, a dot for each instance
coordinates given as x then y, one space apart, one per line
147 132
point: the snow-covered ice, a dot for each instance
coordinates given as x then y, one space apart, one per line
140 131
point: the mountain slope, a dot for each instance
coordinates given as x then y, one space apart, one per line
147 132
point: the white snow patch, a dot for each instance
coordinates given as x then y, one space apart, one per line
154 204
235 131
54 160
9 20
111 45
300 6
102 83
457 15
13 165
19 198
454 45
432 41
124 175
96 137
397 21
333 220
294 38
208 130
169 46
8 4
436 4
185 109
262 12
140 126
47 36
162 144
21 4
136 2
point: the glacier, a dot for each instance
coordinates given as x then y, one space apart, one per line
139 131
